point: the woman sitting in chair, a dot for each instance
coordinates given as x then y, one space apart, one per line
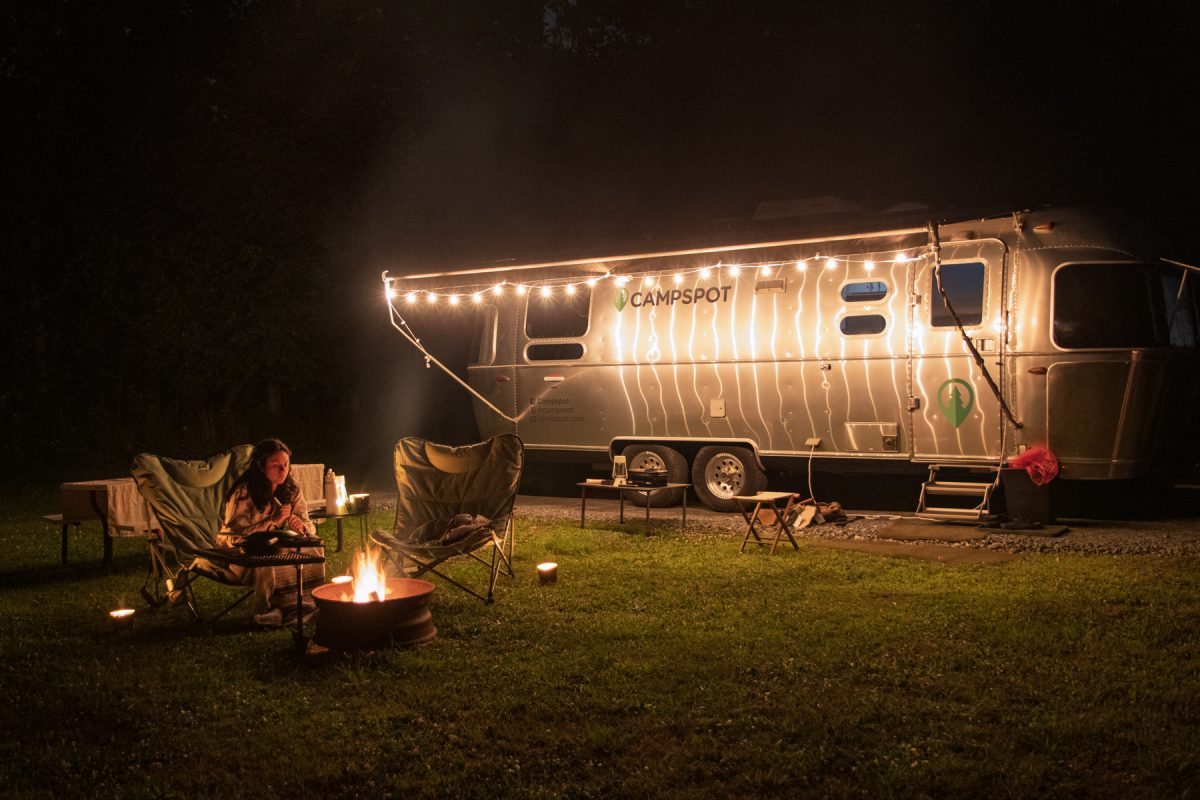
266 498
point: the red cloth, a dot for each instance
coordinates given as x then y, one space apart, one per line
1039 462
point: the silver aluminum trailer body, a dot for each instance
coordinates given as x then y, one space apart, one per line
763 349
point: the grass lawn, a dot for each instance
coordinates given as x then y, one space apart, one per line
659 666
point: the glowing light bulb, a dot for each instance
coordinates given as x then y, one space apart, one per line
622 280
391 293
498 288
801 265
766 271
678 278
453 299
704 273
830 263
901 258
592 281
411 297
734 270
570 288
520 290
432 297
869 265
545 291
477 298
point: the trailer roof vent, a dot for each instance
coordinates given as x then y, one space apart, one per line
770 285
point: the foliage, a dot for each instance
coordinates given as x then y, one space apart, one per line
664 665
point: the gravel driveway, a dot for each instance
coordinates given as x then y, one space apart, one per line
1174 537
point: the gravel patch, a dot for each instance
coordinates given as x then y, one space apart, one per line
1172 537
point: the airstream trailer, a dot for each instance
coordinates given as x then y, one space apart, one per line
949 345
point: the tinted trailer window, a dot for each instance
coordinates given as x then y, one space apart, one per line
1110 305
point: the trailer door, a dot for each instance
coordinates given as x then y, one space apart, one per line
955 414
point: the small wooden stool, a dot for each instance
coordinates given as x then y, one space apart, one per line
773 512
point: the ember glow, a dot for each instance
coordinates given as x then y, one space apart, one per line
370 577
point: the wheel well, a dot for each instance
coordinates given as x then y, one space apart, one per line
685 447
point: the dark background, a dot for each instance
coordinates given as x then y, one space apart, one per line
200 196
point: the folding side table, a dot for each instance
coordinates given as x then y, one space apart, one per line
772 514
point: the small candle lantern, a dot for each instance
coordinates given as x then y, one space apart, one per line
121 619
548 572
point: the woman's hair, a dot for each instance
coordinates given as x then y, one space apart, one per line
255 476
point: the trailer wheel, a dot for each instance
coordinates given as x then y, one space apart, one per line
655 456
720 473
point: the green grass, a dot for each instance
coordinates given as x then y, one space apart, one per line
658 666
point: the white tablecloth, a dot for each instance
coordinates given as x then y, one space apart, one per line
126 512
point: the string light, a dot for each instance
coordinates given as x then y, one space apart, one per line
546 289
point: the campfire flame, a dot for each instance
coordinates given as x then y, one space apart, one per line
370 577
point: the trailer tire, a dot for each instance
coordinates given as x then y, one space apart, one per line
720 473
656 456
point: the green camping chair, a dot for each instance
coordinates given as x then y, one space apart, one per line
454 502
188 497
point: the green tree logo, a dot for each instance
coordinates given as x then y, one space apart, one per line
620 299
950 400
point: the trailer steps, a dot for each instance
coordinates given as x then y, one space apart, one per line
958 492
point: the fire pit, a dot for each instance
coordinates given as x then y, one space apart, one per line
373 611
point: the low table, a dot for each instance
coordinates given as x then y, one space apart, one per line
625 489
286 558
320 516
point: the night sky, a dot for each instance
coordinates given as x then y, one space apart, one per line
199 197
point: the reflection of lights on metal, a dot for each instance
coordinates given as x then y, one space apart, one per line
477 298
647 281
545 291
411 297
734 270
678 278
592 281
801 265
391 293
622 280
830 263
901 258
869 265
453 299
998 325
520 290
432 297
570 288
704 273
766 271
498 288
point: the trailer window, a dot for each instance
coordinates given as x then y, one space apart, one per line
562 351
558 315
863 324
864 292
1112 305
1181 307
964 288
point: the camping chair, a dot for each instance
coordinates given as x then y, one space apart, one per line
188 498
435 482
